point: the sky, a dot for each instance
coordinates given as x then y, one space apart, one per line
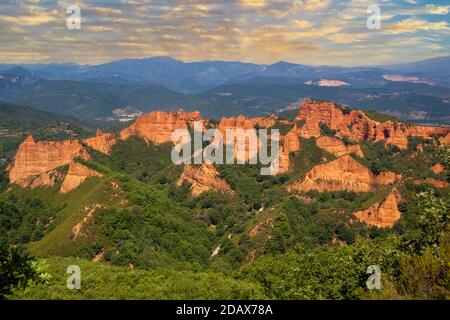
312 32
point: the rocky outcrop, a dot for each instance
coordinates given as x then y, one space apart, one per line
291 143
46 179
264 122
432 181
344 173
382 214
356 125
445 139
437 168
158 126
102 142
244 124
260 227
36 158
76 175
338 147
202 179
77 230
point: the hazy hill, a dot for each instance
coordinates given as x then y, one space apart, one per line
199 76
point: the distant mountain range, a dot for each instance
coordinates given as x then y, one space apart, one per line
119 90
192 77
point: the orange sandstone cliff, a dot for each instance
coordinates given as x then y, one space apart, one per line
356 125
382 214
76 175
338 147
36 158
102 142
291 143
344 173
158 126
240 123
204 178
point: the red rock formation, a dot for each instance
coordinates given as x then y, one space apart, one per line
338 147
437 168
432 181
35 158
240 123
357 126
235 123
344 173
76 175
102 142
264 122
46 179
204 178
291 143
158 126
382 214
445 139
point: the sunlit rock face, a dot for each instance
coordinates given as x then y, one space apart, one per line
445 139
35 158
238 126
355 125
204 178
382 214
76 175
338 147
158 126
291 143
102 142
344 173
438 168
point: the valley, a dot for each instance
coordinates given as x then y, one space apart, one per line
350 185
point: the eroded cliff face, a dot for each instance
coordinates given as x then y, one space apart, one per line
36 158
382 214
158 126
445 139
264 122
76 175
344 173
46 179
291 143
102 142
204 178
338 147
356 125
438 168
235 125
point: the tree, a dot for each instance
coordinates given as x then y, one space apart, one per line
434 218
18 270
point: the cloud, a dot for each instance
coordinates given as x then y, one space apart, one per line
299 23
254 3
106 12
263 31
432 9
414 25
35 19
347 37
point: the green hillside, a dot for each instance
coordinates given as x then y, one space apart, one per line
268 243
